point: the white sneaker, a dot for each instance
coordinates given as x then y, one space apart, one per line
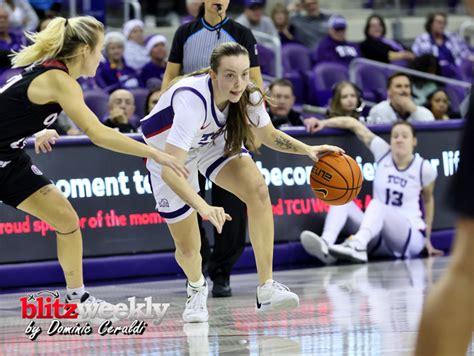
196 305
350 250
89 304
316 246
275 296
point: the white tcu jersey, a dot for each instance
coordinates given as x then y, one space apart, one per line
187 117
401 189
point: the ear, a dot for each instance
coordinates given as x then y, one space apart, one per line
87 50
212 74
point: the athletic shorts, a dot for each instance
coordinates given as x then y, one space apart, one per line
208 160
461 195
19 178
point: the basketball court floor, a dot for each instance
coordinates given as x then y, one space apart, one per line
368 309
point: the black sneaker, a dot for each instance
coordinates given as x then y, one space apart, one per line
221 287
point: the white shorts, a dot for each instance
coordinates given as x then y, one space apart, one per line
209 160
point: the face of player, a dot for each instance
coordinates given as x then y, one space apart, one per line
399 86
231 79
153 100
211 6
114 52
439 104
348 98
92 57
402 141
283 100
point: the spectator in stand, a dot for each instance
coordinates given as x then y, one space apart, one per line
22 15
121 111
346 101
438 103
46 8
399 105
280 107
135 53
192 7
448 47
9 40
255 19
156 48
334 47
151 100
114 73
312 27
380 48
281 20
421 87
43 23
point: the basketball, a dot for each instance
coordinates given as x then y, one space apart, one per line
336 179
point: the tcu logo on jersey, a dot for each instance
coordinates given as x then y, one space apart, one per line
206 138
397 180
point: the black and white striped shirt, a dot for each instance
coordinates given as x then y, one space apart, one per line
193 42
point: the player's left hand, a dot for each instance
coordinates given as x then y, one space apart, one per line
432 251
316 152
44 141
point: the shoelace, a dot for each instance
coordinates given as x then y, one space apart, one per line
197 300
280 286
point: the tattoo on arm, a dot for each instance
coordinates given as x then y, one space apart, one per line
45 190
284 144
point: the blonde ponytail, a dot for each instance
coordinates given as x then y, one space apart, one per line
59 40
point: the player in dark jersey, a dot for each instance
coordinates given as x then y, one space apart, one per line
30 102
447 323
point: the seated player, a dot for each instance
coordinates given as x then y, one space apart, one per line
393 224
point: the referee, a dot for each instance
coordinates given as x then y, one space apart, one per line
192 46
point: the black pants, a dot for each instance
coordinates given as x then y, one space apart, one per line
229 245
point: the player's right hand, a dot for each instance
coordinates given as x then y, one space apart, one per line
216 215
170 161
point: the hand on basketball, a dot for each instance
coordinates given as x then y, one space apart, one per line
316 152
170 161
216 215
44 140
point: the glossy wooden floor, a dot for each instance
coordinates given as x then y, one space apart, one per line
345 310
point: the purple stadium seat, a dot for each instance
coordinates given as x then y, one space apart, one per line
372 81
322 79
456 95
266 58
8 74
140 95
297 68
97 100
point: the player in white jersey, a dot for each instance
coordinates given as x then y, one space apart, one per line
203 121
393 224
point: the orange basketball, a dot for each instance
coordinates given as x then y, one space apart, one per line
336 179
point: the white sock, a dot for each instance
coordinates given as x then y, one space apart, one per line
75 293
363 236
199 283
